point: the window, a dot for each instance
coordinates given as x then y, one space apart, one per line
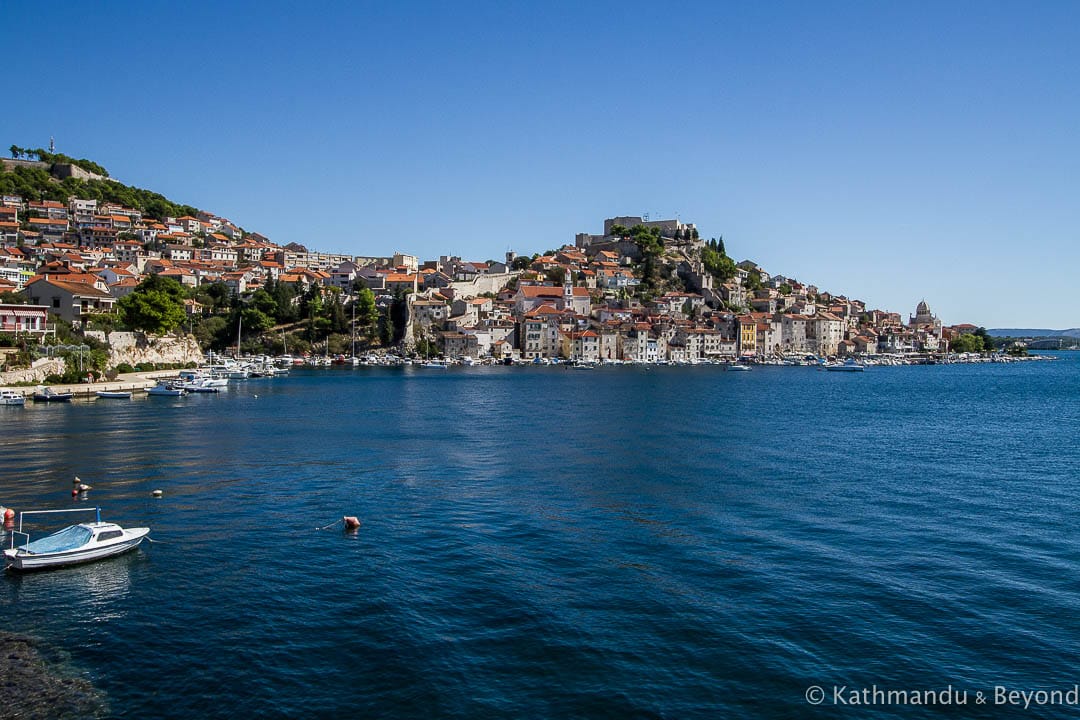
109 535
56 302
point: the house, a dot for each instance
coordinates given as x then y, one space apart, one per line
48 209
9 233
539 332
123 286
25 319
457 344
406 282
51 229
866 344
793 333
72 301
344 275
748 335
430 312
127 251
178 253
529 297
824 333
675 303
583 346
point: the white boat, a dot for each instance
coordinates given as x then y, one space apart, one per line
74 544
848 365
113 394
435 364
198 386
166 390
11 397
736 367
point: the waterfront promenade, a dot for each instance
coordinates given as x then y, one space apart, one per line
133 382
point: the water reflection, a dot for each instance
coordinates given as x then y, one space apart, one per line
96 591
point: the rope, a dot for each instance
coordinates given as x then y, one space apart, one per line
160 542
331 524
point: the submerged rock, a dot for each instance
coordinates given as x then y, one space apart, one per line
34 687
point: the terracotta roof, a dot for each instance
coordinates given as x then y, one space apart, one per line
76 288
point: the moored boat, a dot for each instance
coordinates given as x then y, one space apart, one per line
50 395
74 544
113 394
848 365
11 397
166 390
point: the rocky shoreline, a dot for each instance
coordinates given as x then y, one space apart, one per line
35 686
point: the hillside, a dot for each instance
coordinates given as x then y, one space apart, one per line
32 181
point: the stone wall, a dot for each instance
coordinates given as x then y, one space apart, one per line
35 373
134 348
66 170
491 283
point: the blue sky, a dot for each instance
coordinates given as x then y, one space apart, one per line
889 151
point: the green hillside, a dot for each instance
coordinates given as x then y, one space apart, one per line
36 183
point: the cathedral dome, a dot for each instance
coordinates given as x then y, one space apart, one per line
922 308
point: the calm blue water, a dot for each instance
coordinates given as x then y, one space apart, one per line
544 542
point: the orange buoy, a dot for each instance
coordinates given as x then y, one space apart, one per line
351 523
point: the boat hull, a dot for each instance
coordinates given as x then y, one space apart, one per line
24 561
56 397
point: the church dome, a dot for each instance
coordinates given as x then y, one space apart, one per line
922 308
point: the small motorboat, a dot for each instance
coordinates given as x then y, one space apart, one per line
166 390
74 544
848 365
11 397
50 395
113 394
198 386
737 367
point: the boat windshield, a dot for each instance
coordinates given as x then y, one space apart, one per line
69 538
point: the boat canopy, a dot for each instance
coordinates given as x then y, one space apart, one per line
69 538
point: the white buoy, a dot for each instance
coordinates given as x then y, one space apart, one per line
157 493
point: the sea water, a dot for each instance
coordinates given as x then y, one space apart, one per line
550 542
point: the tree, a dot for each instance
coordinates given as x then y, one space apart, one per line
264 303
966 343
618 231
399 316
155 306
753 280
717 264
255 320
367 315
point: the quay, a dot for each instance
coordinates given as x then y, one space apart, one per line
126 382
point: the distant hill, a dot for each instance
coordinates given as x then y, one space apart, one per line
1033 332
38 180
